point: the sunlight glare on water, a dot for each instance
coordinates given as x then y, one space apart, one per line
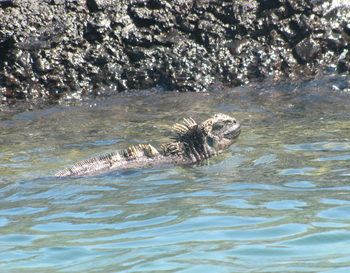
277 201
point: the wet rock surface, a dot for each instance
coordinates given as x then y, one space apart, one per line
54 49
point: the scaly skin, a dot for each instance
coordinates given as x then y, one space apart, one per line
193 144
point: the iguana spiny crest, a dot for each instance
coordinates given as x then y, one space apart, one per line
192 144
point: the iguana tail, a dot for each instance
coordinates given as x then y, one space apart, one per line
110 161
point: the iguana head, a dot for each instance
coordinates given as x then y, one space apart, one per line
220 132
204 140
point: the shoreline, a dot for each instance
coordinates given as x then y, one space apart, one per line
61 49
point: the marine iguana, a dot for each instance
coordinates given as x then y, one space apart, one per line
192 144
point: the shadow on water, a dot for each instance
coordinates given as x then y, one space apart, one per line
278 200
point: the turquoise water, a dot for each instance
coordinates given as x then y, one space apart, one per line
277 201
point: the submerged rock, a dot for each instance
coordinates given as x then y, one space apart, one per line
53 49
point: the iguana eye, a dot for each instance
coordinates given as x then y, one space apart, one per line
217 127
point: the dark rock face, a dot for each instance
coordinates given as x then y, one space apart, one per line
54 48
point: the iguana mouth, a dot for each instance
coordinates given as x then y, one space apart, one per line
234 133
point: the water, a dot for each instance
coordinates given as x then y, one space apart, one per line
277 201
